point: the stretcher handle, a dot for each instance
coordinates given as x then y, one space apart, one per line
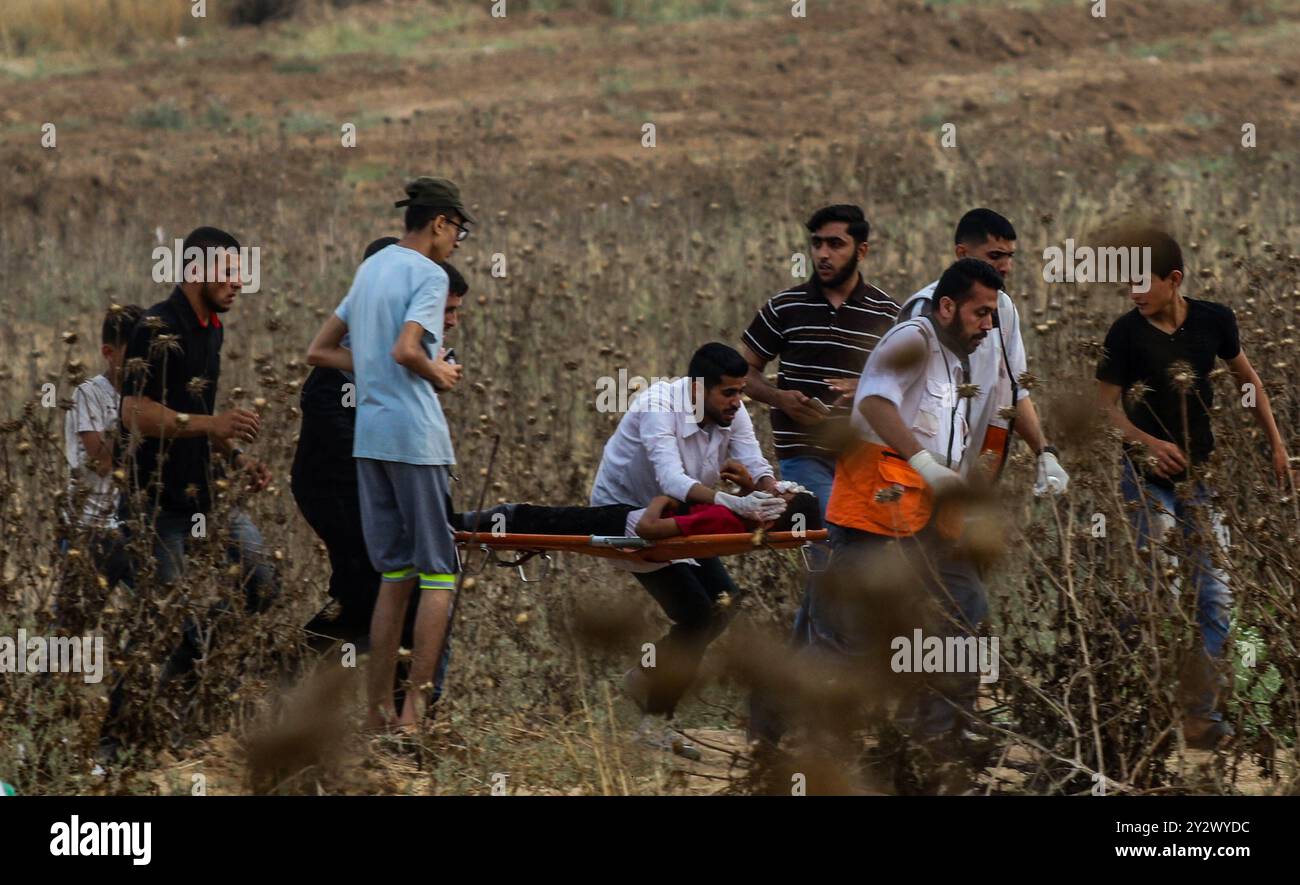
629 542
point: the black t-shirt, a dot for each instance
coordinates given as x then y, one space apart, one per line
1136 351
181 372
323 464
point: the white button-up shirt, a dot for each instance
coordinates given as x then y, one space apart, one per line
912 369
991 368
660 449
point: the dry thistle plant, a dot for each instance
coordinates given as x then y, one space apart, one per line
1095 644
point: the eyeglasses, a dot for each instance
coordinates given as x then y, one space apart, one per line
461 230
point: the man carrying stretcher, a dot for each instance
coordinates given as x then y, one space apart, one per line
674 441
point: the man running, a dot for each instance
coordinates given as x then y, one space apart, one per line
674 441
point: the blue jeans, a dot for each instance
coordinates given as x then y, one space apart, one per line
958 593
816 475
844 628
172 530
1198 522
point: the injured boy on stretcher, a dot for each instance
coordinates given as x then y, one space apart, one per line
662 518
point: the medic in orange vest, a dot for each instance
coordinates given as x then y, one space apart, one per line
912 413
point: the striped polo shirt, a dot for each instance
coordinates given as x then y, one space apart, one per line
815 341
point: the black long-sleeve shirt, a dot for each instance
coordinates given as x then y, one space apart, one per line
323 464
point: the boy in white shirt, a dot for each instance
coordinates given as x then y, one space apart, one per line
89 429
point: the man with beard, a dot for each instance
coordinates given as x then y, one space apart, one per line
170 427
674 440
911 427
822 331
998 365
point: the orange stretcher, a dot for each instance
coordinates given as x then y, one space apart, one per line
625 548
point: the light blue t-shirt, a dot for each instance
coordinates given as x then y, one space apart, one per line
399 417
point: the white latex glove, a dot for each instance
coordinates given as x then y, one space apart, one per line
758 506
1051 476
771 503
787 487
940 479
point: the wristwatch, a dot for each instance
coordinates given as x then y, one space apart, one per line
1050 450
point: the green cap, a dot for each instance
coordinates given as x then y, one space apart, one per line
438 193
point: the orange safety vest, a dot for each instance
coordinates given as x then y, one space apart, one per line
995 440
877 491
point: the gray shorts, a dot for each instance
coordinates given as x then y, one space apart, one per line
404 516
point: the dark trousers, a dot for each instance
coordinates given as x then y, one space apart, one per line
245 549
530 519
353 582
689 595
170 531
81 597
960 605
948 600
